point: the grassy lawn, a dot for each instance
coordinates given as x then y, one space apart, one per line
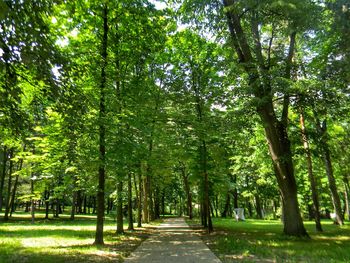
262 241
63 240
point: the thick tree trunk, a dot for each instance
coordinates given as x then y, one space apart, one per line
130 217
102 134
281 155
312 180
120 228
275 130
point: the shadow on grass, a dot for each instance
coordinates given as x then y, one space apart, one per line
263 241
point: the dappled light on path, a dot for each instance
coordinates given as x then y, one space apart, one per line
173 241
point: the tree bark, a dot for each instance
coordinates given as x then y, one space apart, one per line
139 203
74 200
14 190
347 196
258 207
8 195
145 200
102 134
227 205
275 130
47 196
187 191
32 204
322 130
130 217
235 192
120 228
311 176
2 178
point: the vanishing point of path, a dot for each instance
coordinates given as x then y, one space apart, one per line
174 241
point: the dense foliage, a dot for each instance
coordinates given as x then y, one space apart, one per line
175 107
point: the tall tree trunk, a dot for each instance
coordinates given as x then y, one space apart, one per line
156 203
227 205
47 204
151 201
145 200
9 184
73 208
2 178
163 203
187 190
280 151
347 196
120 228
102 134
130 217
322 130
14 190
139 203
206 187
74 199
258 207
13 197
275 130
312 180
235 192
32 202
85 204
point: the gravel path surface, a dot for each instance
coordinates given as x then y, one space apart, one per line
173 241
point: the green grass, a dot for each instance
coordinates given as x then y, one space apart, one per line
263 241
63 240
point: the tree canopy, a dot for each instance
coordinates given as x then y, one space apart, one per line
176 107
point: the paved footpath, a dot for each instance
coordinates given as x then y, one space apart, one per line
174 241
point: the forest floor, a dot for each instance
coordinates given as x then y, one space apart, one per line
263 241
63 240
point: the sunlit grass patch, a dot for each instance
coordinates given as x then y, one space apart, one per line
263 241
63 240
